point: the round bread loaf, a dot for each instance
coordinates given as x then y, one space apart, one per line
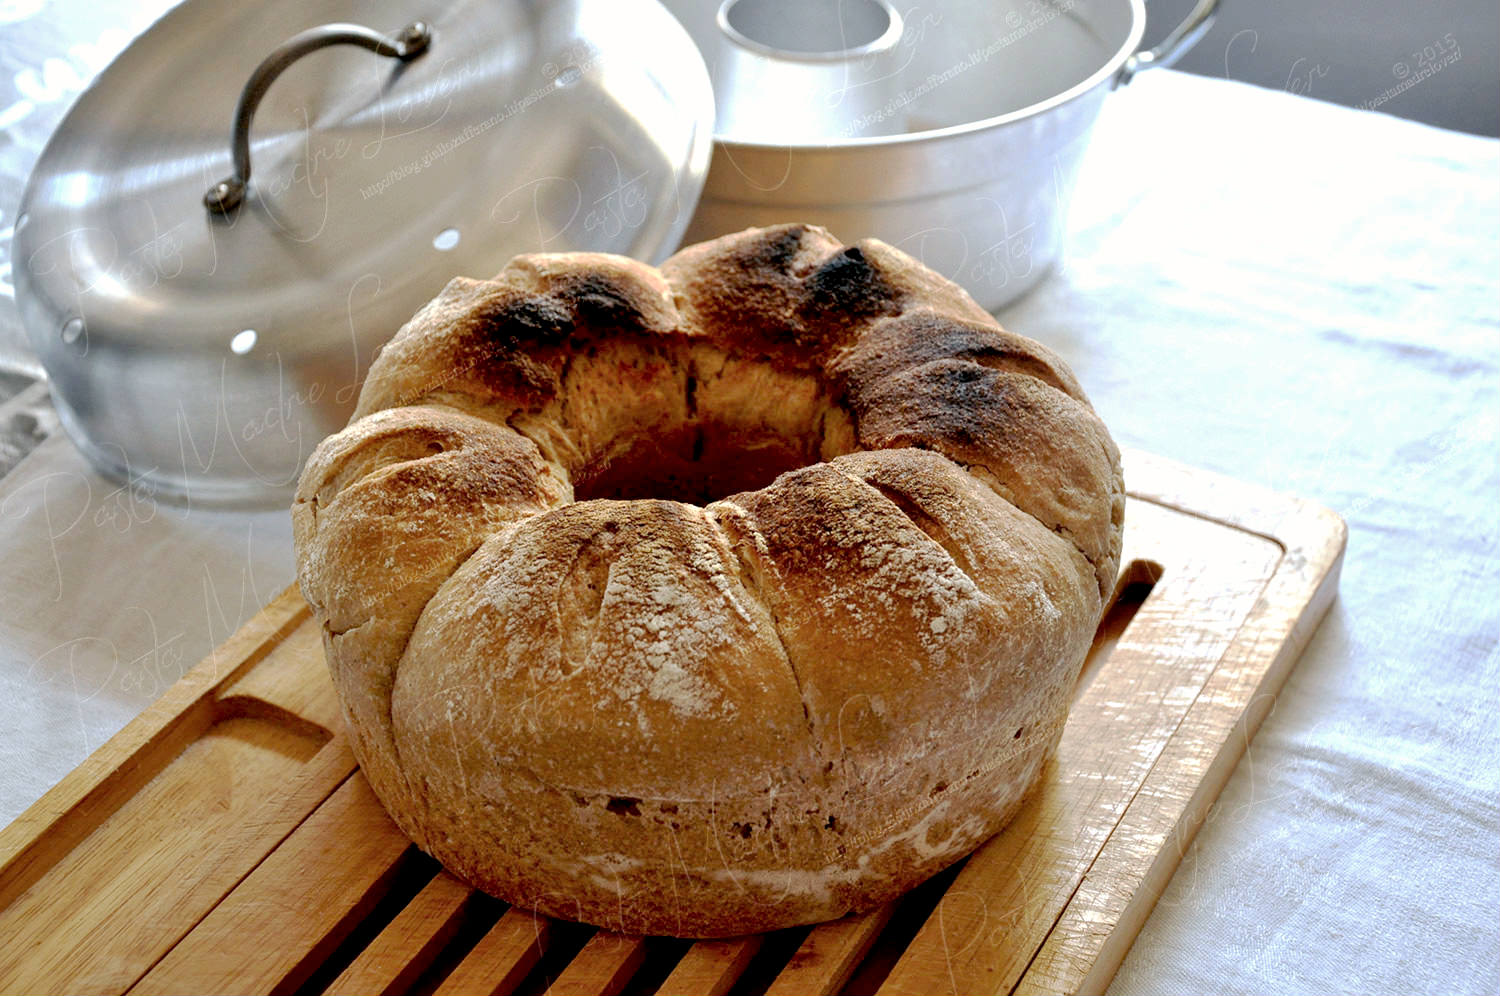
711 599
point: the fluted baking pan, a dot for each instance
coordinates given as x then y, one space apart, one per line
953 131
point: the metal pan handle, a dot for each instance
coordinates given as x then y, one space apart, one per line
408 43
1175 45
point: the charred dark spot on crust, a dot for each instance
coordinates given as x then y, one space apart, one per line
501 337
768 257
968 389
788 299
959 407
511 323
765 292
951 402
605 304
846 287
520 346
775 250
590 304
966 375
624 805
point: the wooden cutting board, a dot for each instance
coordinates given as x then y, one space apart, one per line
225 841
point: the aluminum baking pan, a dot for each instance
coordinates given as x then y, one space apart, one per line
951 131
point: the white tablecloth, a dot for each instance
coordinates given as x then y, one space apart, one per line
1277 289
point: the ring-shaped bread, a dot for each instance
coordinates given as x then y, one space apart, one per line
711 599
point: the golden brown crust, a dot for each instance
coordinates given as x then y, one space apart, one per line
384 512
695 716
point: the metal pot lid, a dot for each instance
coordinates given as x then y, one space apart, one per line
200 343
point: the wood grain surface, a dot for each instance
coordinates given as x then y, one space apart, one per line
224 841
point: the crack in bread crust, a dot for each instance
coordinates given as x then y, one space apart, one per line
742 546
847 649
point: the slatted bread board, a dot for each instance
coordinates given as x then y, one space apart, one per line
225 841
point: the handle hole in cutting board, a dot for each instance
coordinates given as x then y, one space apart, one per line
1131 591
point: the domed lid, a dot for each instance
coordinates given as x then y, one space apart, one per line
206 304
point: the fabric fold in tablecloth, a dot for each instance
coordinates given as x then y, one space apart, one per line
1280 290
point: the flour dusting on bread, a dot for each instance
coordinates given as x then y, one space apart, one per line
711 599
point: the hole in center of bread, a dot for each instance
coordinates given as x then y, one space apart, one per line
696 463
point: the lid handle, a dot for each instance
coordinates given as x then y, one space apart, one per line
408 43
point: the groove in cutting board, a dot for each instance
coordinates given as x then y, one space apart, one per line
829 954
225 842
503 956
409 944
603 967
411 879
712 967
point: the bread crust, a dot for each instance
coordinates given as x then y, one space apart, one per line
709 717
